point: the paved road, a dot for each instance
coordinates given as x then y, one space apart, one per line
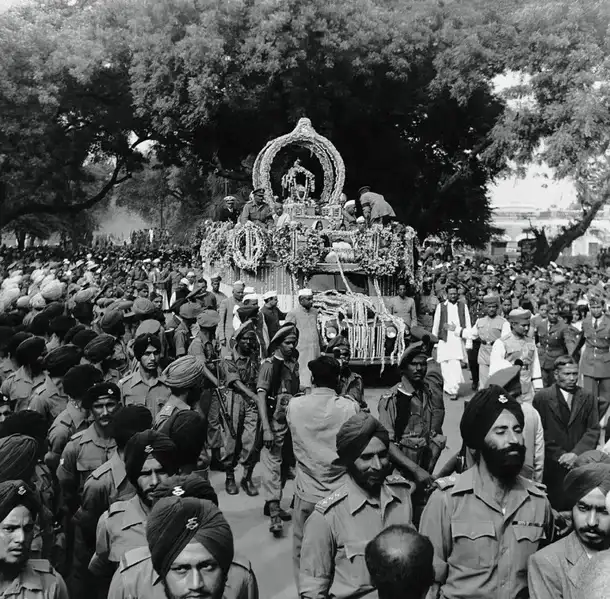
272 558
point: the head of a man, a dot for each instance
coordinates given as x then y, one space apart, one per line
566 373
553 314
215 280
543 309
271 302
402 290
279 209
246 343
363 447
452 293
585 488
229 202
184 377
18 510
596 306
480 295
147 351
519 322
306 299
414 364
157 300
102 401
191 547
399 561
284 342
325 372
238 291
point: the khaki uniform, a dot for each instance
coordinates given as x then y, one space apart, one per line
488 331
38 580
73 419
243 412
135 391
49 400
173 404
119 363
137 579
351 384
20 386
6 368
595 360
280 390
336 534
553 341
427 308
481 550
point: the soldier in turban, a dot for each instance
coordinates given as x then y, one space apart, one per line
553 572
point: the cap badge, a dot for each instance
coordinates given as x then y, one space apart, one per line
192 524
21 490
148 449
502 399
178 491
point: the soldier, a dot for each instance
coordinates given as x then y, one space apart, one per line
427 306
413 413
143 386
98 353
50 399
371 499
187 428
487 329
517 348
150 459
225 312
74 418
20 385
485 523
207 321
240 373
278 380
256 209
58 328
183 377
553 340
183 533
24 577
7 365
112 323
350 383
215 280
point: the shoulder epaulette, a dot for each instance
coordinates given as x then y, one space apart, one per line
118 507
325 504
505 337
41 565
77 436
101 470
240 560
134 557
267 360
534 487
167 410
124 379
446 482
396 479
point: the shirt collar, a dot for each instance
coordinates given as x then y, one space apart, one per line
28 579
117 466
357 497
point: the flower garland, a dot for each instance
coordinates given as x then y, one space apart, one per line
310 255
379 251
281 243
288 249
249 242
215 240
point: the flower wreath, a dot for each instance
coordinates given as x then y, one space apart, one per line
250 245
215 238
379 251
308 256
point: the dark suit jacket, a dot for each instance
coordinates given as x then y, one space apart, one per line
577 434
554 571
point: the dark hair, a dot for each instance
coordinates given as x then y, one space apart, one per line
564 361
399 561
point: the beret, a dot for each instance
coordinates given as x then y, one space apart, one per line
14 493
18 457
80 378
142 306
483 410
59 361
247 328
128 421
187 429
325 367
191 485
189 310
183 373
420 334
110 320
208 319
582 480
30 350
176 521
146 444
414 349
100 390
100 348
17 339
148 326
356 433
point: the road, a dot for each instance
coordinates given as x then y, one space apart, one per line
272 558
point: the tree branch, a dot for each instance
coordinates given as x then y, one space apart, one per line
461 171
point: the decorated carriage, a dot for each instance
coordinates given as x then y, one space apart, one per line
352 271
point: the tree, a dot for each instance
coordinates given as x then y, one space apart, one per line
559 112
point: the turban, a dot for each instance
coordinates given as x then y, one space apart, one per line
187 429
582 480
191 485
37 302
324 367
183 373
247 312
145 444
103 389
356 433
18 457
54 309
336 343
83 337
60 325
174 522
128 421
23 302
72 331
593 456
85 295
483 410
208 319
80 378
58 361
284 332
142 342
14 493
6 334
83 312
414 349
100 348
17 339
491 300
30 350
111 320
40 324
26 422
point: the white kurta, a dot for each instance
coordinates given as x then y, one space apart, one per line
451 353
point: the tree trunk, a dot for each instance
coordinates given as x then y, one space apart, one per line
20 236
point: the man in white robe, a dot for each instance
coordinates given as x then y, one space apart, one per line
450 319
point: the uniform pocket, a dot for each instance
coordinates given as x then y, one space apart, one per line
355 550
474 544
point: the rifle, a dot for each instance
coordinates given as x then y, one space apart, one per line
225 416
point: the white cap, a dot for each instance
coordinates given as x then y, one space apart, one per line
360 219
239 284
146 260
190 273
305 293
249 290
349 203
216 275
269 294
184 281
250 297
156 260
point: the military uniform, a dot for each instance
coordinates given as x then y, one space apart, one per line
242 410
552 343
277 390
350 384
73 419
37 580
414 419
257 212
49 400
173 404
487 330
137 579
118 363
427 308
44 534
6 368
182 339
481 549
511 348
332 556
20 386
135 391
595 360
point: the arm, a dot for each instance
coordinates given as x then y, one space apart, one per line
67 477
434 379
579 344
552 449
220 331
538 448
536 372
437 320
413 312
543 581
496 358
317 558
94 503
117 588
100 564
291 317
591 437
61 590
407 466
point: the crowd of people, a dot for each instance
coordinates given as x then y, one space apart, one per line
125 379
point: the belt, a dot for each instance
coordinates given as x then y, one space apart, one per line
487 342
